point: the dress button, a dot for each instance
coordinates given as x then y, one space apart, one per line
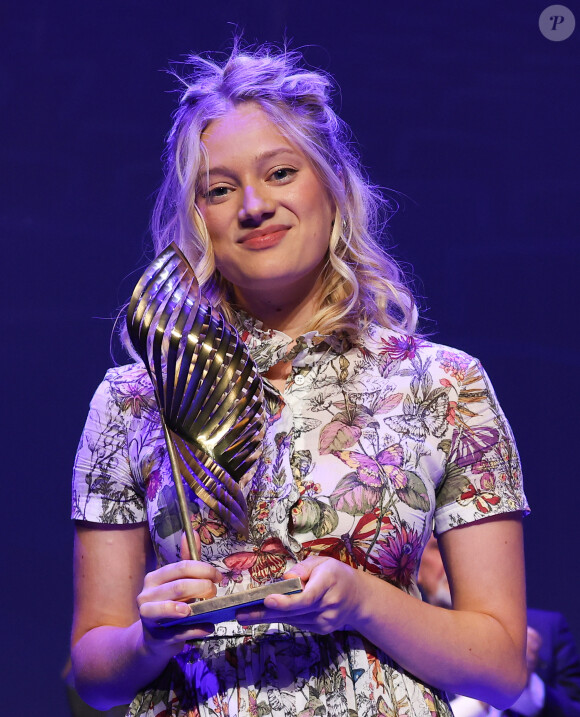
299 379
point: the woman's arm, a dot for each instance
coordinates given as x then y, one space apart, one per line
117 646
477 649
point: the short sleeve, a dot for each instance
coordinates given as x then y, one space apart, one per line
483 474
104 489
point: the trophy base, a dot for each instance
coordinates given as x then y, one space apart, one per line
224 608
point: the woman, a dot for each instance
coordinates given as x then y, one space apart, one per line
373 436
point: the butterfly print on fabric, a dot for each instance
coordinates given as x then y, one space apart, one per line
352 548
470 444
380 440
264 563
421 418
483 499
359 492
209 527
304 424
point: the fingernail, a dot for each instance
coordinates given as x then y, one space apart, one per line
182 609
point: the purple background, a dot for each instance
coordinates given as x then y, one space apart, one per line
465 108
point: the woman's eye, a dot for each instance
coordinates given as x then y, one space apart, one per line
279 175
216 193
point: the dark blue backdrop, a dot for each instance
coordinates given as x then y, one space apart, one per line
465 108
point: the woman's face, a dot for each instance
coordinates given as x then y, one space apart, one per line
268 215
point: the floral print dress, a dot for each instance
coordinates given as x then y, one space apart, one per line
368 450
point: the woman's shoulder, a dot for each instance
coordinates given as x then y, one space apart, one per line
392 345
126 388
127 373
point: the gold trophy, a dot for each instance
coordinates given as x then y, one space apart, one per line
211 405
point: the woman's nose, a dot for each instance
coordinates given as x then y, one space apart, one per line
256 205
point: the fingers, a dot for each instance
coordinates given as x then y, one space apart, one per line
534 637
161 610
185 552
180 590
533 649
182 570
158 636
276 608
166 592
303 570
321 623
327 603
298 609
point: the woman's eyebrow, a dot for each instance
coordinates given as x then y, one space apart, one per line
262 157
274 153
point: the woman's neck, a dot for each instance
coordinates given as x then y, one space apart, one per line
283 310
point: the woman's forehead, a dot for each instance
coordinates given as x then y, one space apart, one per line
248 120
247 132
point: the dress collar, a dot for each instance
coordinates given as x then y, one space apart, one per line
269 346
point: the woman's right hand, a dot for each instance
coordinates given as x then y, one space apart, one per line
164 597
118 642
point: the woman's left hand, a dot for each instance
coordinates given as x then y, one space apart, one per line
329 601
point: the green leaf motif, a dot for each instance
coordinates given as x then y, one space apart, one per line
388 403
354 497
445 446
279 478
327 522
414 494
306 515
454 483
338 436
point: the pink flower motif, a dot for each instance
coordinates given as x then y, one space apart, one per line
399 554
451 412
153 484
133 397
454 364
400 349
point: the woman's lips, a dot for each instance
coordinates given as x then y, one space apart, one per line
264 238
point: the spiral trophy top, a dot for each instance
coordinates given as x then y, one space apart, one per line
208 389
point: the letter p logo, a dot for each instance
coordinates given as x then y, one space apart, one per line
557 23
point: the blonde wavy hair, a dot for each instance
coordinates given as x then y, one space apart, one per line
360 283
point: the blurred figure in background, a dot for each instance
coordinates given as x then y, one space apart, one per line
553 688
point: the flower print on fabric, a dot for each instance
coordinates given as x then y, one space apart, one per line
374 444
400 348
482 463
399 555
353 547
134 396
453 363
113 476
